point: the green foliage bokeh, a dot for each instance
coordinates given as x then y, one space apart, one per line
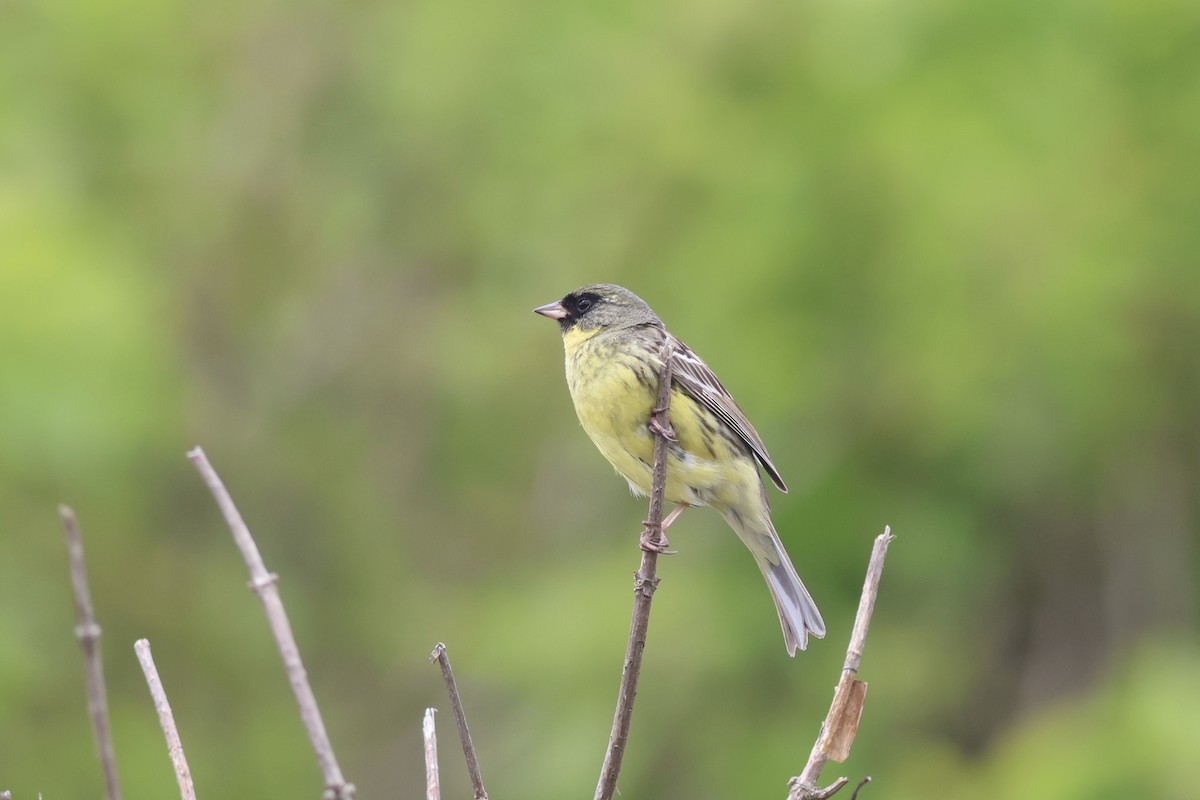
943 254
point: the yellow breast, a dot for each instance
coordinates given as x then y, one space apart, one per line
614 385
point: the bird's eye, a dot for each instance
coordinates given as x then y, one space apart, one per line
583 304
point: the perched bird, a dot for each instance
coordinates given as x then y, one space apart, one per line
614 344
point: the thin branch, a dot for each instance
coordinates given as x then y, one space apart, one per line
858 788
88 634
645 582
265 584
460 717
841 723
433 789
166 719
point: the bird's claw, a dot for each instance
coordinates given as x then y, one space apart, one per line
659 428
653 540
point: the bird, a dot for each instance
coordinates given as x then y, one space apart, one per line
614 345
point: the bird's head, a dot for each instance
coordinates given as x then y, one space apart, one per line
597 306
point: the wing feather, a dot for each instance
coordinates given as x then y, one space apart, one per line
695 378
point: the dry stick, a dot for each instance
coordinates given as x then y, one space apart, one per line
166 719
460 717
644 584
841 724
433 789
265 584
88 634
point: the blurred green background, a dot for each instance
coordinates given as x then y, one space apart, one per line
944 254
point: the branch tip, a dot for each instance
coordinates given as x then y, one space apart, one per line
858 788
433 789
265 585
166 720
841 723
87 633
460 718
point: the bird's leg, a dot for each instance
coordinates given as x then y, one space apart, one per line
674 515
654 537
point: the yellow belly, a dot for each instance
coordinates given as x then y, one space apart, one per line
614 393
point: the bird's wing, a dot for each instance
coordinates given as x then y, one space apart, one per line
694 377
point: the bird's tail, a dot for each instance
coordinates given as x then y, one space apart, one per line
798 614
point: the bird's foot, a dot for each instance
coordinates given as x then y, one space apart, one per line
653 540
659 429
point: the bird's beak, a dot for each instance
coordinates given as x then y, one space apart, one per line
553 310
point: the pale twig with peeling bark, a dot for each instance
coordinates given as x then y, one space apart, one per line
460 718
265 584
433 788
645 582
841 724
166 719
88 634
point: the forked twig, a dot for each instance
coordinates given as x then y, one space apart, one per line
645 582
166 719
841 723
265 584
433 788
88 634
460 718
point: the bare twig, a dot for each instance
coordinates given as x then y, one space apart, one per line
433 789
841 724
166 719
265 584
88 634
858 788
460 717
645 582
